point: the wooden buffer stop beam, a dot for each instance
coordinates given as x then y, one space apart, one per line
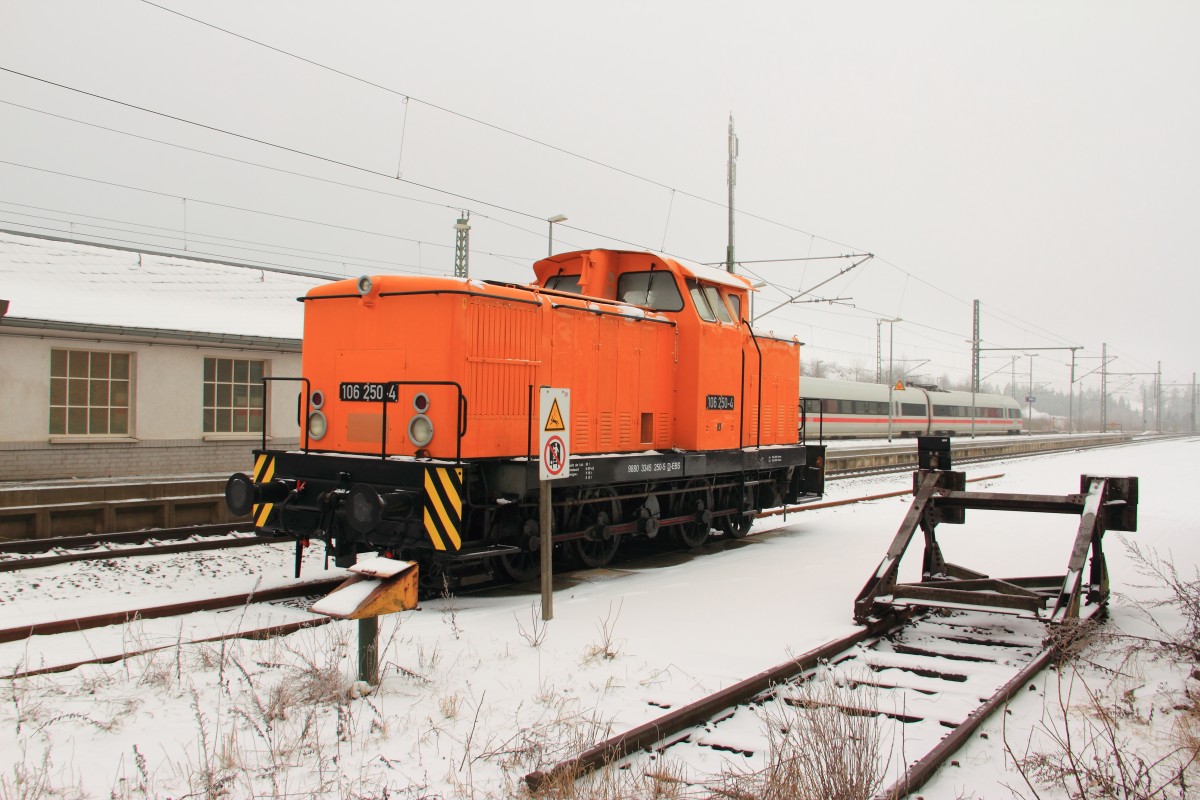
1102 504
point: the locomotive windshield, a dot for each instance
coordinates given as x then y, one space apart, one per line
655 289
564 283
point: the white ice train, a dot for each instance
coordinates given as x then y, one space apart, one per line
833 409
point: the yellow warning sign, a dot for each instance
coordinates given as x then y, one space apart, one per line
554 420
899 386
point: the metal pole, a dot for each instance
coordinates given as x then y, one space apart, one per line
891 374
547 547
733 153
1071 397
974 366
552 220
1104 388
878 351
1158 399
368 650
1029 397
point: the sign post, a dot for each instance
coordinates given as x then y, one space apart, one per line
554 462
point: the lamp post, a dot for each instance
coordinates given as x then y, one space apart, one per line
552 220
891 383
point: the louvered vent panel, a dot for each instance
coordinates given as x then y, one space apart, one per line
500 367
581 432
606 431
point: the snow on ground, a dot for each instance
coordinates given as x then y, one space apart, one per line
476 691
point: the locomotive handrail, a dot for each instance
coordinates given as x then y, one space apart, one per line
462 414
602 313
303 421
758 420
462 292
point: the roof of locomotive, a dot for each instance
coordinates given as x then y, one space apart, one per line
384 285
686 268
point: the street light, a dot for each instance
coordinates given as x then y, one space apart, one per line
891 384
552 220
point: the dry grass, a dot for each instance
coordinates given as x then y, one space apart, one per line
821 746
1109 735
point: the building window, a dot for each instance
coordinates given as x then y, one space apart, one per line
89 393
233 395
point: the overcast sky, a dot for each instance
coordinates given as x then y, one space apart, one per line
1040 157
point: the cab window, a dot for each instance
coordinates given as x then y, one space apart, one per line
564 283
700 301
718 305
735 305
655 289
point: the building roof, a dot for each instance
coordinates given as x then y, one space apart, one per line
72 282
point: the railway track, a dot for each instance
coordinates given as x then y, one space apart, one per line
858 462
933 656
13 554
306 591
928 681
14 560
38 512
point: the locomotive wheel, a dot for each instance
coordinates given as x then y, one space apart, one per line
696 501
735 526
595 552
523 566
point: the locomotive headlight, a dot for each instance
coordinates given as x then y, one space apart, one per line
420 430
317 424
317 398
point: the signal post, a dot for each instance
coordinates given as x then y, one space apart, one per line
554 463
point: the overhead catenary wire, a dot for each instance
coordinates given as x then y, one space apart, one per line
281 170
213 203
296 151
413 183
266 143
196 237
406 97
178 233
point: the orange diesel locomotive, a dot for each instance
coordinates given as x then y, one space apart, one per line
419 401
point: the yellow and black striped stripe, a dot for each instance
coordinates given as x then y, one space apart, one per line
443 506
264 470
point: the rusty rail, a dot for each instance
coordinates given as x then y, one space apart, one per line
18 564
692 714
924 768
306 588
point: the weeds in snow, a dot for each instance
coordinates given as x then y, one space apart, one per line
1120 740
824 742
606 648
538 627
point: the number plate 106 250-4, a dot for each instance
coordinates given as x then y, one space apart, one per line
369 392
